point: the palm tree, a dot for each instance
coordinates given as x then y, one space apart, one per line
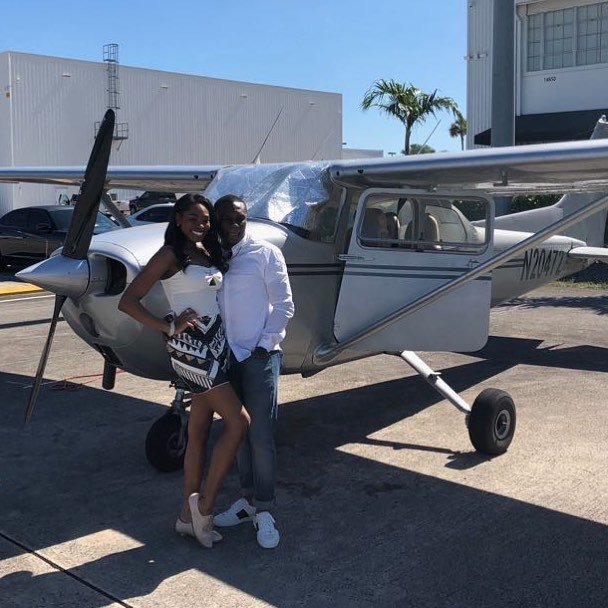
420 149
459 128
406 103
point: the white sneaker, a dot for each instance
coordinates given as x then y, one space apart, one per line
238 512
185 529
268 536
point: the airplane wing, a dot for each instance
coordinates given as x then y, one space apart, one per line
580 166
565 166
599 254
157 178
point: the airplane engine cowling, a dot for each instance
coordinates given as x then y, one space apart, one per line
121 340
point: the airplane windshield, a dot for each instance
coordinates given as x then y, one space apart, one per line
297 196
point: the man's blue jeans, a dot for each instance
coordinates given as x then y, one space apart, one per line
256 383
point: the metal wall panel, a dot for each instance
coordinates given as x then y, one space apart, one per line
6 191
353 153
479 67
172 119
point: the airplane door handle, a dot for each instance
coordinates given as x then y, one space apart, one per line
347 257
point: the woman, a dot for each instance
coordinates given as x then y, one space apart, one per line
190 267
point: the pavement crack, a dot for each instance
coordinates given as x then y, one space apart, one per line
59 568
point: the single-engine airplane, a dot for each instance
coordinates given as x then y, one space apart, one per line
380 253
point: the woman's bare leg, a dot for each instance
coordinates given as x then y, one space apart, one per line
224 401
199 427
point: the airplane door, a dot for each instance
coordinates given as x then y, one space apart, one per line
403 246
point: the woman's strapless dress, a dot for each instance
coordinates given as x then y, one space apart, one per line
199 355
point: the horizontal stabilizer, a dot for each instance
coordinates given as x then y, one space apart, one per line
589 253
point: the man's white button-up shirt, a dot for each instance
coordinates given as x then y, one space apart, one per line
255 299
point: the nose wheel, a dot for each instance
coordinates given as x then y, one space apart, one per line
167 438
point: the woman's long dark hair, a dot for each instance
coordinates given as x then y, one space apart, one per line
176 239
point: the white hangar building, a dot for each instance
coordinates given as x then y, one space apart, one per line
561 69
49 108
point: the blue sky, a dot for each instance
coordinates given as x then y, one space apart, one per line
333 45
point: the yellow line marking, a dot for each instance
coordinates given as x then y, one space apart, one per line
25 288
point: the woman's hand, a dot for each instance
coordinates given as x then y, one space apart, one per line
185 320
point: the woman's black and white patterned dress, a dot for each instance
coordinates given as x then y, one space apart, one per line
199 355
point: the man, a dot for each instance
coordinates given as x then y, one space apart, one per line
256 305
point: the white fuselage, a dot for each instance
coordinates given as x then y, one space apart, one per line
315 278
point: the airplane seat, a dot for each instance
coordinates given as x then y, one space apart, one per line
429 233
430 229
392 225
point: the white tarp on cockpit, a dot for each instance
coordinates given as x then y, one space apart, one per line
290 194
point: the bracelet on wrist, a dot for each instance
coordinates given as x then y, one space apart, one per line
171 328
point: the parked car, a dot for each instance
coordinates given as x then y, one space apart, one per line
152 214
31 234
122 205
150 198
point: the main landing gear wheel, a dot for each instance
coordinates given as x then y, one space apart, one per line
492 422
166 443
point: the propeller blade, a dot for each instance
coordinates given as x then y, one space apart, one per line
81 228
80 232
31 404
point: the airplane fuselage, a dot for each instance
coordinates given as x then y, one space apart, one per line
315 275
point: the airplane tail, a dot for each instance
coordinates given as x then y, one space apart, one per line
591 230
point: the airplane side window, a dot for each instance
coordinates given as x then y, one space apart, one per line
384 221
421 224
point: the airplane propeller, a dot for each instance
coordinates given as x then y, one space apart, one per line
79 233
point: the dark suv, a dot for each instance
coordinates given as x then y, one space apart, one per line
150 198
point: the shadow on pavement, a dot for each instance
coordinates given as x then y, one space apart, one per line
597 304
356 532
529 352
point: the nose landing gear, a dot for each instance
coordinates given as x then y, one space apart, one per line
168 437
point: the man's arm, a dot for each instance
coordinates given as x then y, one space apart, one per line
279 296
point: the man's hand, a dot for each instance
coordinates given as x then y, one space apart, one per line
260 353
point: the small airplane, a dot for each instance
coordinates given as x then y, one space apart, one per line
381 255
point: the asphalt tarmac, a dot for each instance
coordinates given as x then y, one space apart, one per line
381 499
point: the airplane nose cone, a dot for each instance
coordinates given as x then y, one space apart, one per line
59 274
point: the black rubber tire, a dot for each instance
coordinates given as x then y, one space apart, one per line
492 422
2 262
162 449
